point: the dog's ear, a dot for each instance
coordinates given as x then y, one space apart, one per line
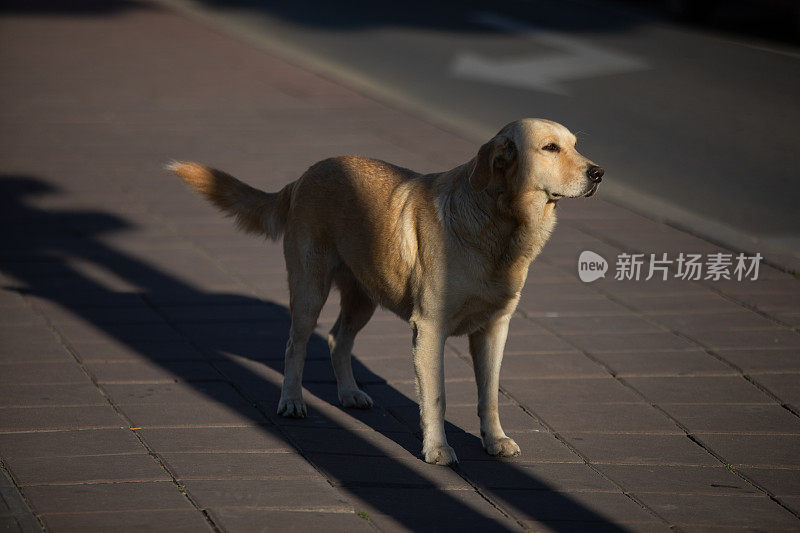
493 162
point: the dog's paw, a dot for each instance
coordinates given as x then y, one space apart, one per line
357 399
292 408
503 447
440 455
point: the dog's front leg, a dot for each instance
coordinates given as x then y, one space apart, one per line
428 342
486 348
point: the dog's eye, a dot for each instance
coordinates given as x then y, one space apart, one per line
552 147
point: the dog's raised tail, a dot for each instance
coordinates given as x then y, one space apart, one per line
253 210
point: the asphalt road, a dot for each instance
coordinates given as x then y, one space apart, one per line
692 126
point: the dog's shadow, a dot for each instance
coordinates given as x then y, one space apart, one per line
244 338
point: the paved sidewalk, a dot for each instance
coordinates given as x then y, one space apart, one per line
141 337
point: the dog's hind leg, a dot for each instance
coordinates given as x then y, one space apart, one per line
309 285
356 310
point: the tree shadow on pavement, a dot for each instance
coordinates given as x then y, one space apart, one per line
246 350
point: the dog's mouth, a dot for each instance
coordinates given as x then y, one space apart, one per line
555 196
592 190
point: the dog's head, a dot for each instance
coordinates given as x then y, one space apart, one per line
534 156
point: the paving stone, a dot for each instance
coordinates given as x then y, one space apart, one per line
735 418
784 386
216 439
141 371
577 526
569 288
755 450
89 295
118 332
240 370
15 395
321 371
706 528
60 315
87 469
415 509
19 315
15 513
380 346
763 360
188 521
136 351
235 465
667 363
788 317
569 390
639 449
139 496
598 324
638 479
192 414
522 324
69 443
385 471
404 393
458 522
733 510
532 343
254 331
699 389
9 523
83 417
169 393
459 419
600 509
792 502
354 442
605 418
253 312
619 342
29 343
393 369
782 481
521 474
759 338
583 307
236 519
706 303
701 322
300 494
535 446
326 415
557 365
317 394
42 373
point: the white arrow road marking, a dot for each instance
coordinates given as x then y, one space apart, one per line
575 60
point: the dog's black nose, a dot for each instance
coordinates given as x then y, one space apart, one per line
595 173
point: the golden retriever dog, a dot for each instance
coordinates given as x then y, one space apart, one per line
448 252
